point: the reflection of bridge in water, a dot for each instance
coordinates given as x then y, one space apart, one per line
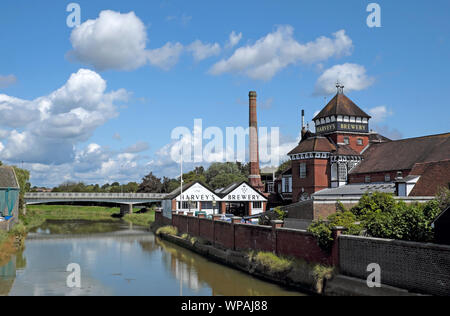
127 200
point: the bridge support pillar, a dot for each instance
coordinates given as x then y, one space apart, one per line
126 209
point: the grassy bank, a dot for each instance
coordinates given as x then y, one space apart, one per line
11 242
37 214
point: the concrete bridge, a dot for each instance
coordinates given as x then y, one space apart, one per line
127 200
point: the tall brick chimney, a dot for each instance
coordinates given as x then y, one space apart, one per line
255 176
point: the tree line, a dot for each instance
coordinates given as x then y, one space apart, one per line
217 175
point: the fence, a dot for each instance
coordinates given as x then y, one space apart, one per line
417 267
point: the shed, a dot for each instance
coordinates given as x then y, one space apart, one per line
9 197
442 228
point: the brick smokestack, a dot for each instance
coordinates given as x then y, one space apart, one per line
255 176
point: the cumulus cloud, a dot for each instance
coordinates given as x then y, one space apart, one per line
119 41
380 113
234 39
202 51
165 57
277 50
6 81
45 130
92 164
352 76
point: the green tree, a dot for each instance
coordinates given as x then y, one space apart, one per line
150 184
23 176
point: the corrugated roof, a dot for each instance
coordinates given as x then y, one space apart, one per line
357 189
341 105
404 154
8 177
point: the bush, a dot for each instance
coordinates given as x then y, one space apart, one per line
323 230
381 216
167 230
272 262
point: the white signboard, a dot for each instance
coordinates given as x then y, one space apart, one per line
198 192
244 193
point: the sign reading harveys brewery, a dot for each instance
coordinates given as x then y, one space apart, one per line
242 193
345 127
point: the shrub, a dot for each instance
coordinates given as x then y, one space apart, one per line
272 262
167 230
323 230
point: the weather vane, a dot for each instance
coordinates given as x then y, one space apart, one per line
340 87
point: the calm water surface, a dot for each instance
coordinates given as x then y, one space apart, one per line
119 259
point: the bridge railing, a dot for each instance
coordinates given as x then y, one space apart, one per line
52 195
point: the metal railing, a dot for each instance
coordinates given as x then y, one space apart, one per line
62 195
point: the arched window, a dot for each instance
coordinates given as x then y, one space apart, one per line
334 172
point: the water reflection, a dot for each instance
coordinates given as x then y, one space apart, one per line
119 259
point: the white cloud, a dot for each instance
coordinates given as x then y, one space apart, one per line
380 113
279 49
112 41
352 76
137 148
45 130
119 41
234 39
165 57
202 51
6 81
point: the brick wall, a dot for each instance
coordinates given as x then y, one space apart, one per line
375 177
286 242
418 267
247 237
301 245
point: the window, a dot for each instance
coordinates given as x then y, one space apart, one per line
334 172
342 172
186 205
346 140
287 185
303 170
270 187
257 205
360 142
207 205
387 178
367 179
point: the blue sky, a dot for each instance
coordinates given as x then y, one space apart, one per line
398 73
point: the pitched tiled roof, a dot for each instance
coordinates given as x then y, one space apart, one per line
377 138
341 105
345 150
314 144
404 154
433 176
8 178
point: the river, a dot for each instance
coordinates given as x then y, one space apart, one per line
117 258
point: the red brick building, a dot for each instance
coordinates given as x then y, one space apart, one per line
344 151
324 159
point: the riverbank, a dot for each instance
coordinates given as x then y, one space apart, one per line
11 242
288 272
38 214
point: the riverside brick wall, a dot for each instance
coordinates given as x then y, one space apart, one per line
286 242
247 237
417 267
301 244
